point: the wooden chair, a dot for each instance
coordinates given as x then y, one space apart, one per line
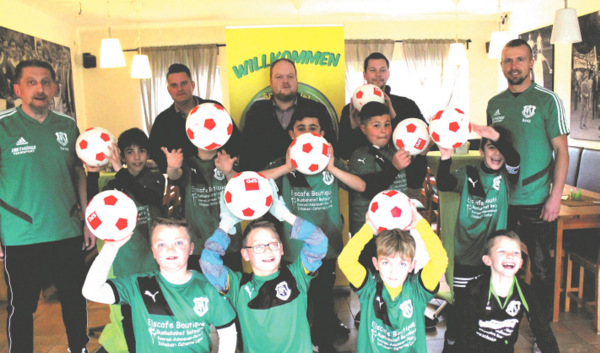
585 261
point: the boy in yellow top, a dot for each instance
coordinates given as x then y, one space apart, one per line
393 304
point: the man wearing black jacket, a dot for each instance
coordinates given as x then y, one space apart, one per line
168 129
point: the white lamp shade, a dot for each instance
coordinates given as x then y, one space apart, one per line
566 27
140 67
457 54
111 54
497 42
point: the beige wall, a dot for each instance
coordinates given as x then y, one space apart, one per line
122 93
110 98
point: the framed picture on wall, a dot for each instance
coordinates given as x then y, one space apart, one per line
585 77
16 47
543 54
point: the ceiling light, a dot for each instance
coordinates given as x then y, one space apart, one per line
566 26
457 54
111 54
140 67
500 37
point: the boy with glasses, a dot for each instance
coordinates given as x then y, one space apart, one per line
271 301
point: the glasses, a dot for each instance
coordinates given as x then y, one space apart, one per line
260 248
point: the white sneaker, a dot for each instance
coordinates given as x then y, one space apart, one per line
535 348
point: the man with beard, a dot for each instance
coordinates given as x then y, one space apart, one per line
42 191
264 136
536 118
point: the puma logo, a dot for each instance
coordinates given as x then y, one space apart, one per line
153 296
473 182
249 291
380 158
379 301
361 160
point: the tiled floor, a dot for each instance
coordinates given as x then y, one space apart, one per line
573 332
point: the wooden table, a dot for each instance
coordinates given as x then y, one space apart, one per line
572 217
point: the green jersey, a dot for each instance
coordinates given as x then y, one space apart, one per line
483 209
272 309
367 160
388 325
314 198
203 184
171 317
37 189
534 117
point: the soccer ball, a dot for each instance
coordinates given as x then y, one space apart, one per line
208 126
111 215
412 134
92 146
365 94
390 209
309 153
248 195
450 128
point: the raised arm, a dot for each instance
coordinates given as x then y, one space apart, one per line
315 241
438 259
354 182
348 259
95 287
174 162
215 247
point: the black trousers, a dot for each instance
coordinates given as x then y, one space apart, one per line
539 237
320 302
26 267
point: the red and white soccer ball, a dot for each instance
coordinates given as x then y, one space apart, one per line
248 195
390 209
365 94
309 153
412 134
111 215
209 126
450 128
92 146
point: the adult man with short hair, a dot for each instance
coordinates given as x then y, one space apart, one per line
264 136
43 186
376 72
168 129
536 118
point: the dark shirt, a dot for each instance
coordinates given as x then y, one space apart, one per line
351 139
264 139
168 131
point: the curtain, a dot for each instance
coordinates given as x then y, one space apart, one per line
356 52
435 83
202 61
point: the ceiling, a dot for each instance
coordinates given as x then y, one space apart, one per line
93 13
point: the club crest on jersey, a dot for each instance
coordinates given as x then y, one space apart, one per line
407 308
62 138
219 174
496 182
328 178
528 111
513 307
283 291
200 306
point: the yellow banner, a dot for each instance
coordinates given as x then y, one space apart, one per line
318 53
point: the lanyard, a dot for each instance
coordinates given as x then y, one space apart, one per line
514 284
